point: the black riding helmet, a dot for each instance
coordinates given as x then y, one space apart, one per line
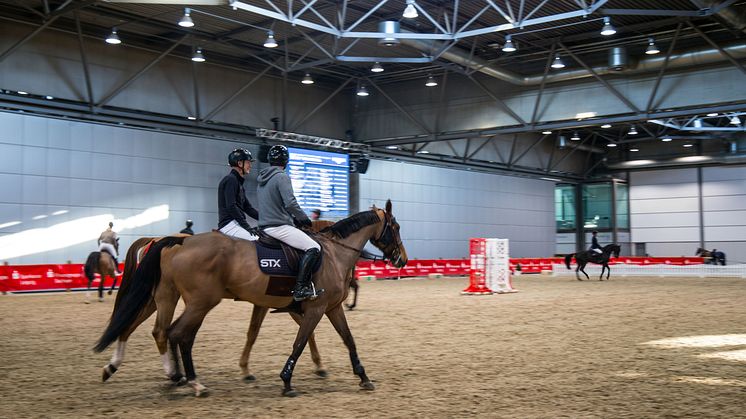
239 154
278 155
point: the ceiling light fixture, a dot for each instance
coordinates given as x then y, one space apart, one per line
546 132
197 57
192 118
652 49
47 97
735 120
377 68
666 139
270 42
604 126
431 82
21 92
410 12
558 62
711 114
186 20
113 38
509 45
307 79
632 130
608 29
611 145
575 136
687 145
362 91
634 149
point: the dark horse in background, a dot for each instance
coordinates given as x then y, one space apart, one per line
582 259
101 263
713 257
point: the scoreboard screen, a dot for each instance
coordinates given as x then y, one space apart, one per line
320 181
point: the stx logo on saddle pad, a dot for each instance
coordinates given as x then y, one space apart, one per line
269 263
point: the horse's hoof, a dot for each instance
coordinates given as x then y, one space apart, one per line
106 375
367 386
290 393
249 378
87 302
321 373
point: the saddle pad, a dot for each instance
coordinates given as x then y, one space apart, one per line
274 262
280 286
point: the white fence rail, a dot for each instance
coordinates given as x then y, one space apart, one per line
621 269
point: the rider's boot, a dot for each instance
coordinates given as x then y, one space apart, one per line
303 286
116 265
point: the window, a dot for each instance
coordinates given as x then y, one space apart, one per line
564 207
622 206
597 206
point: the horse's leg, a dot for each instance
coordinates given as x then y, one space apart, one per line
315 355
101 287
118 356
257 317
88 291
582 269
603 268
577 269
337 317
183 332
355 286
166 298
608 271
114 283
308 323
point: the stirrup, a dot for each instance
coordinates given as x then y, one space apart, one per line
315 294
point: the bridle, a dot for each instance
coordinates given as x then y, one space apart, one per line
387 235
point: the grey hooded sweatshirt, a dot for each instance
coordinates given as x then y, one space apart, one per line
277 204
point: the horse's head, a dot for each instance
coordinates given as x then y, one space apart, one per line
387 239
699 251
615 249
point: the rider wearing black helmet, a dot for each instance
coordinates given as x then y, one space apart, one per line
232 202
279 210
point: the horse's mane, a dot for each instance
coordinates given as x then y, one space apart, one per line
351 224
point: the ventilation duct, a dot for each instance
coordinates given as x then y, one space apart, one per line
389 26
618 58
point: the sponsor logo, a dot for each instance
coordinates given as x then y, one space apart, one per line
269 263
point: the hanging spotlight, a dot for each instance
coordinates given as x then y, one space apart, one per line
546 132
307 79
270 42
509 46
197 57
377 68
652 48
558 62
611 145
362 91
711 114
604 126
21 92
431 82
608 28
113 38
186 20
666 139
410 12
634 149
575 136
687 145
632 130
735 120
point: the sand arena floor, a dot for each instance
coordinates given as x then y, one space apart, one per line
559 348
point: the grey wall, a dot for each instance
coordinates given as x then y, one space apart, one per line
50 165
440 209
665 210
50 64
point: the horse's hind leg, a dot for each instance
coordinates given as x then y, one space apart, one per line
355 286
601 277
166 298
337 317
114 283
608 272
582 269
315 355
183 332
577 275
257 317
88 291
118 356
101 288
308 323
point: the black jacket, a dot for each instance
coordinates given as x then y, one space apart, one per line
232 202
594 243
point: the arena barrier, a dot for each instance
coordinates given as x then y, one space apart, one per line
39 278
661 270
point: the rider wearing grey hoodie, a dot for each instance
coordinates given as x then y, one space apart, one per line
277 209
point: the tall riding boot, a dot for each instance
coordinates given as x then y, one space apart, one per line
116 265
303 287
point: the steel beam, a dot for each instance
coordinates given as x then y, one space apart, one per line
399 108
320 105
719 48
499 101
84 62
531 147
648 108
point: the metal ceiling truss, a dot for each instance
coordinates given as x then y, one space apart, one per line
293 137
703 123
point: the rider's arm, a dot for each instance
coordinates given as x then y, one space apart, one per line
248 209
288 198
231 191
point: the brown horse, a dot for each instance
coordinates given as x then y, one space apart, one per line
134 255
101 263
205 268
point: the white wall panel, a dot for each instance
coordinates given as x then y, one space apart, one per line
680 219
667 191
724 203
665 234
725 233
665 206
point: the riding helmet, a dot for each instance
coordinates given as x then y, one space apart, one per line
239 154
278 155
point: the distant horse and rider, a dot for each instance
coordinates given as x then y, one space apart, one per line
586 256
205 268
101 263
712 257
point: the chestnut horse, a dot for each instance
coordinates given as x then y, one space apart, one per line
205 268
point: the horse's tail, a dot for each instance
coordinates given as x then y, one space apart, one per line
130 265
90 265
568 258
137 294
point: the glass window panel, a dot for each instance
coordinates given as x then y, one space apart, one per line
564 207
597 206
622 206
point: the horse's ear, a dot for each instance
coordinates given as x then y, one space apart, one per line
388 207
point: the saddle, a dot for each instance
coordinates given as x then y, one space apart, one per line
281 263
